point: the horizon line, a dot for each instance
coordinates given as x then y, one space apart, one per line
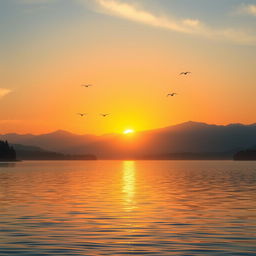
118 133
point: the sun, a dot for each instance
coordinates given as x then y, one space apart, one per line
128 131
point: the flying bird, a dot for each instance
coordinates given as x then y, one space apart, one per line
104 115
171 94
82 114
185 73
86 85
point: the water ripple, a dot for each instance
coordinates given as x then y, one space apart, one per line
128 208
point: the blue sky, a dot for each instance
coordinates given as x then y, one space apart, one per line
19 17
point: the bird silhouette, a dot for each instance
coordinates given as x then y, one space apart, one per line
185 73
86 85
82 114
171 94
104 115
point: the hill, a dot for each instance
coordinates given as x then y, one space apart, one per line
59 141
200 139
36 153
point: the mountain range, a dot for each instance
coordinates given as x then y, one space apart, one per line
24 152
187 138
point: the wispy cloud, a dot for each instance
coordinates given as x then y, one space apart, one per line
248 9
187 25
4 92
134 13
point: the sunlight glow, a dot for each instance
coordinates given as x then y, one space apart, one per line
128 131
129 179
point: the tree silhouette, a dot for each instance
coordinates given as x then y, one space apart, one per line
7 152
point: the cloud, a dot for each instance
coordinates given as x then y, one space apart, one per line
248 9
188 26
4 92
191 23
132 12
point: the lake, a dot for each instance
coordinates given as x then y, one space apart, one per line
128 208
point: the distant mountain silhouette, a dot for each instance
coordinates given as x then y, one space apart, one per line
59 141
36 153
188 138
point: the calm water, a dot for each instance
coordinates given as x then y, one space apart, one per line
125 207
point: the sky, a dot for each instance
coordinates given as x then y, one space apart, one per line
132 51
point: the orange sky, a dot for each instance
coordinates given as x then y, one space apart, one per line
132 58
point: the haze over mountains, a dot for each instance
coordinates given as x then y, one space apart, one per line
192 137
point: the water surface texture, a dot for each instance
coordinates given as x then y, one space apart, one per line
128 208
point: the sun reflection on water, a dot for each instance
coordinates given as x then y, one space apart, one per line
128 189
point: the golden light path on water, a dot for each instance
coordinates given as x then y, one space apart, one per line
129 179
